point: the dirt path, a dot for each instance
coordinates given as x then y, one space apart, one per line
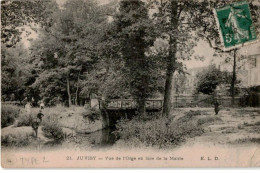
239 126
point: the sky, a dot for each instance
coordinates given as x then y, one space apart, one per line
203 49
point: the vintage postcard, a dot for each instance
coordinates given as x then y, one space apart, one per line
130 83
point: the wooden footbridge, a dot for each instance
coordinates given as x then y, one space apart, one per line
116 109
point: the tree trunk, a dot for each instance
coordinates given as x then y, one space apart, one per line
68 90
233 79
77 91
141 107
167 103
168 94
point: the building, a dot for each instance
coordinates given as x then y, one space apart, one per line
185 84
254 70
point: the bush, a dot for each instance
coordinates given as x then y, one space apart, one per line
252 97
24 120
160 132
15 141
8 115
52 129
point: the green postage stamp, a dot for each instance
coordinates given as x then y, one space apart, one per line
235 25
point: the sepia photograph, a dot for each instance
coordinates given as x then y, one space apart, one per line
130 83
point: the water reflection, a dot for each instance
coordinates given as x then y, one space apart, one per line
99 139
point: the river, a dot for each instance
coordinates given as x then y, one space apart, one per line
100 139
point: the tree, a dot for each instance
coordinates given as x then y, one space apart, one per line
17 14
134 33
17 74
209 79
173 20
68 49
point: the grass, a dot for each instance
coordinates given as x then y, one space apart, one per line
252 124
16 141
246 140
230 130
208 120
192 113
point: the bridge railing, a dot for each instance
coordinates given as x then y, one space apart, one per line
131 104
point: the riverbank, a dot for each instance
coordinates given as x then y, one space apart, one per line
58 124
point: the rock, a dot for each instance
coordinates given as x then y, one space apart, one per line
68 131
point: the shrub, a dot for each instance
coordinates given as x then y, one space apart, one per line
160 132
252 97
24 120
52 129
8 115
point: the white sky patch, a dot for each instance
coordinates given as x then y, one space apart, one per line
61 3
203 49
26 38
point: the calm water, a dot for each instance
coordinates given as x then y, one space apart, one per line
97 140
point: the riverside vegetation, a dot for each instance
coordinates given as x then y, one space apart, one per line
17 131
59 127
154 131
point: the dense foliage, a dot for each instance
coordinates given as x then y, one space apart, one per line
251 97
134 32
8 115
158 132
210 78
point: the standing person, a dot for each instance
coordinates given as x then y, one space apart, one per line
42 105
36 122
28 107
33 102
216 100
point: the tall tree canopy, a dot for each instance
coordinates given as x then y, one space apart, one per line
134 32
67 50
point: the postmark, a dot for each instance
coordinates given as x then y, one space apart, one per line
235 25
